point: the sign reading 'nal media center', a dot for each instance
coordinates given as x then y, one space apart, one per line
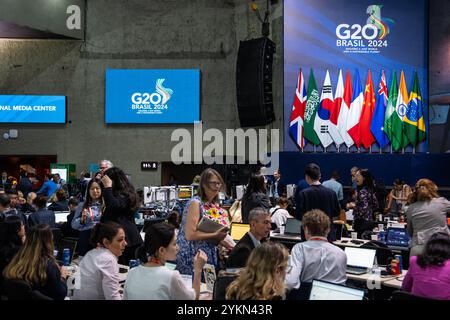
152 96
32 109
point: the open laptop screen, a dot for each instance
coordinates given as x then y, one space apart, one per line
238 230
359 257
293 226
329 291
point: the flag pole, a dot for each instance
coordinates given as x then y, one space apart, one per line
403 150
370 149
391 148
359 149
380 150
314 148
414 150
324 149
338 148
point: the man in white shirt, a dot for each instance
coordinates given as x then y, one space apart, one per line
316 258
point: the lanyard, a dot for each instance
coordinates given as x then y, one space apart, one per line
318 239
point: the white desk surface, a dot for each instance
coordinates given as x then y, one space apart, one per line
393 281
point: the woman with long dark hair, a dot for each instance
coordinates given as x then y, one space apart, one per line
429 273
88 214
366 202
35 264
121 204
153 280
12 237
254 196
426 214
99 271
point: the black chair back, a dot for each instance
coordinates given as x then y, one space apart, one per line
221 285
399 295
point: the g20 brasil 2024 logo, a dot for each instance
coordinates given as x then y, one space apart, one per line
368 38
152 103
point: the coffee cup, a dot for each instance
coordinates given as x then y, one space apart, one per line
354 235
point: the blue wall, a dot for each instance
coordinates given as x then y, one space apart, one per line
409 167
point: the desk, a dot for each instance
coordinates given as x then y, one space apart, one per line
339 243
393 281
396 282
286 237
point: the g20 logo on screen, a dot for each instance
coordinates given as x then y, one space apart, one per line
152 103
368 38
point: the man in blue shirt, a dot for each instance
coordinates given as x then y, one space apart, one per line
49 187
334 185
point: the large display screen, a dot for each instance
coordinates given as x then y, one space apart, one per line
380 50
32 109
152 96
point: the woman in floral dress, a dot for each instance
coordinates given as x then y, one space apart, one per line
189 239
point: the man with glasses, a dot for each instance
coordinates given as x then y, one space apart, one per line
260 223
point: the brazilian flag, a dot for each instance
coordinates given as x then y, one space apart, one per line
414 124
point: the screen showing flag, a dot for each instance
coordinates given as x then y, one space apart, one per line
358 51
32 109
152 96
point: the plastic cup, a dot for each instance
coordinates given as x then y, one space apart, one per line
374 237
354 235
281 229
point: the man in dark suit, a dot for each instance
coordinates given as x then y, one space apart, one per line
260 223
280 189
316 197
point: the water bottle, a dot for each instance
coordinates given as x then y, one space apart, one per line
66 257
400 262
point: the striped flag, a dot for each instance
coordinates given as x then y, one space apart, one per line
342 100
399 139
298 110
355 111
390 109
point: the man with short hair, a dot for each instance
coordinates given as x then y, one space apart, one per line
6 183
334 185
49 187
103 165
353 172
279 188
315 258
260 223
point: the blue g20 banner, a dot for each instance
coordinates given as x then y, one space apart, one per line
32 109
355 75
152 96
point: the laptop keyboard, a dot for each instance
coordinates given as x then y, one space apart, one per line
356 270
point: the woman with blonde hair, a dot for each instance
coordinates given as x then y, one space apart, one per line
263 276
426 215
35 264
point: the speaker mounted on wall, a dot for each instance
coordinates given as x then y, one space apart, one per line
254 82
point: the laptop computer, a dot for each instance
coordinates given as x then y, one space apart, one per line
397 237
293 227
322 290
359 260
63 244
238 230
61 216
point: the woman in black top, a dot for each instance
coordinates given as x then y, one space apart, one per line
121 203
254 196
35 264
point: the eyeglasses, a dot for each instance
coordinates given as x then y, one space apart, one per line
213 183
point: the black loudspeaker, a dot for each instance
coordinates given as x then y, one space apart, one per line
254 82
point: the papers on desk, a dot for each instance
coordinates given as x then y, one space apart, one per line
349 215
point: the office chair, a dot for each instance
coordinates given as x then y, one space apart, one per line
21 290
301 293
399 295
221 285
